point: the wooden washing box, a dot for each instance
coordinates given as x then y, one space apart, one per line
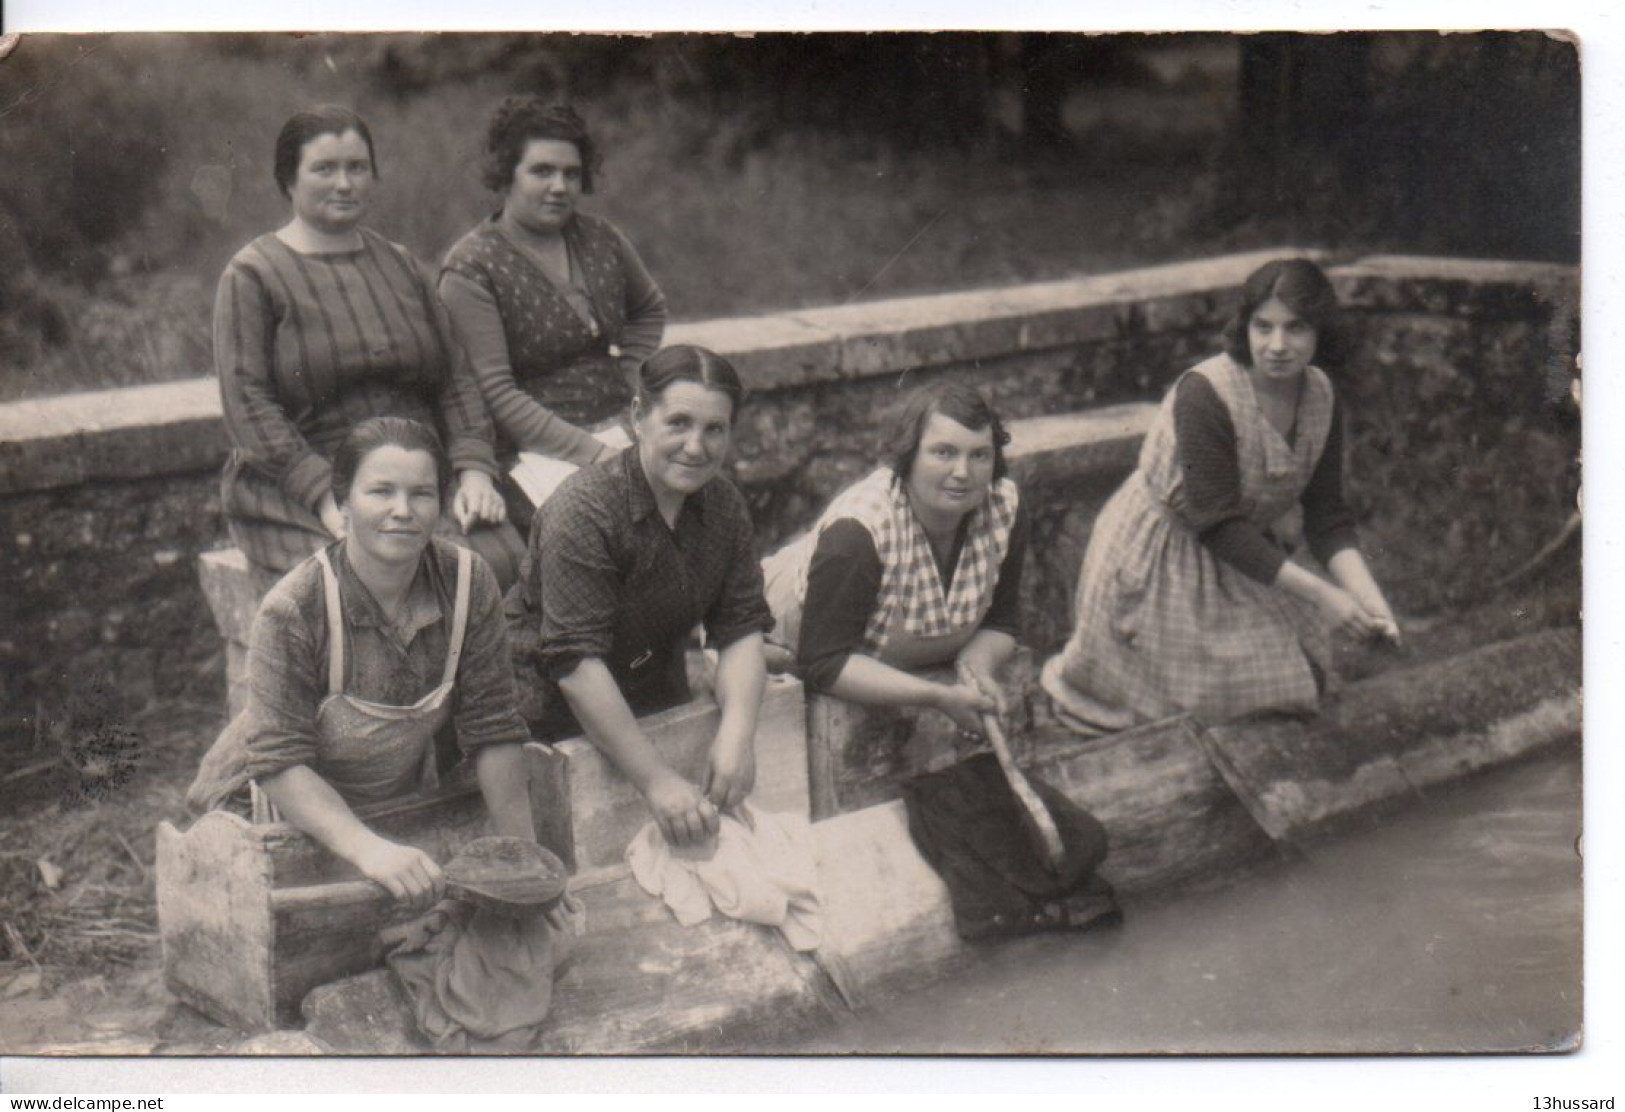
254 916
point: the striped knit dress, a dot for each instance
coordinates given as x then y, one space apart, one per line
308 346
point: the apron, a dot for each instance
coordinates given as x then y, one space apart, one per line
373 751
918 621
1164 627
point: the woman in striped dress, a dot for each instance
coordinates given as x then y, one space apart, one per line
1192 598
319 326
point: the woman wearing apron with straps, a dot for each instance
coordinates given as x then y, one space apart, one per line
359 657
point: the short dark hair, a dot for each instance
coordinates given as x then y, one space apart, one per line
689 363
302 127
1302 287
382 432
516 122
957 402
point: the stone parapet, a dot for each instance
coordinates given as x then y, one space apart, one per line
107 498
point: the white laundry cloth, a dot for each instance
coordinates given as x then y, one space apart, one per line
759 870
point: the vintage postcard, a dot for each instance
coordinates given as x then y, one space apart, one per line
1054 544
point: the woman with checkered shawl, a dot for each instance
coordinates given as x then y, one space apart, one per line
1194 597
916 564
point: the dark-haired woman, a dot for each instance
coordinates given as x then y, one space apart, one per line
917 564
625 559
321 325
555 307
361 654
1190 599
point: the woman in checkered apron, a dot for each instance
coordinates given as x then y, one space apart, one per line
916 564
1192 598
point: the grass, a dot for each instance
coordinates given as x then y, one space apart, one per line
123 231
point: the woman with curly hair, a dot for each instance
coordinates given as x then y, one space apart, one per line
554 306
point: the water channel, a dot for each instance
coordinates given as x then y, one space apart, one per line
1452 926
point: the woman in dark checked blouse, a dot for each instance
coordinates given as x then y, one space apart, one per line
625 559
1194 598
321 325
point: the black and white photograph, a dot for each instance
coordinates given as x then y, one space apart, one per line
972 543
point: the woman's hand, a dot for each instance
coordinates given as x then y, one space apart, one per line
1349 569
477 500
406 872
332 519
1383 622
732 772
1347 615
965 704
683 814
973 672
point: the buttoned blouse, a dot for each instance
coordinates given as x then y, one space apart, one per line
606 577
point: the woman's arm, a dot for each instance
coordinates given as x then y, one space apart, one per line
741 679
992 646
311 804
1207 448
257 423
843 583
1349 568
684 814
522 419
505 784
487 719
980 662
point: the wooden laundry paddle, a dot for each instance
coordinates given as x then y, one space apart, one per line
511 876
1035 817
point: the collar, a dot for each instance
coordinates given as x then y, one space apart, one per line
423 603
640 496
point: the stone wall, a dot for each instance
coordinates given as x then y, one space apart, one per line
106 498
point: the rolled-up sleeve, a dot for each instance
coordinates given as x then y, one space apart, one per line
487 699
257 423
741 607
284 689
573 577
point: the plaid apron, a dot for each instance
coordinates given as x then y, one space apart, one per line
915 622
1162 626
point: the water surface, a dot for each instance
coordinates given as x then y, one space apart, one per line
1453 926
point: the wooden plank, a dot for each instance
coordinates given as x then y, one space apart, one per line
1550 722
606 811
214 919
858 756
1171 819
439 824
1379 740
888 923
548 772
233 590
